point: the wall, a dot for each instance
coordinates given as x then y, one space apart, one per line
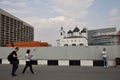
65 53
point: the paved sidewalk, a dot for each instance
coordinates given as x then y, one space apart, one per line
61 73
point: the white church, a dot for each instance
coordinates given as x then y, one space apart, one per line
75 37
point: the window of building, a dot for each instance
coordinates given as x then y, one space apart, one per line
71 40
75 40
61 33
65 44
81 44
73 44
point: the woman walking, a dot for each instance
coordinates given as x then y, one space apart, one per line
28 57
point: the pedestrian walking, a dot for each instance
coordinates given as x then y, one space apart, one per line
28 57
14 61
104 55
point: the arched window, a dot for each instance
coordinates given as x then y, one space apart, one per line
81 44
61 33
73 44
65 44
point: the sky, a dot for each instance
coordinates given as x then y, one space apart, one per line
48 16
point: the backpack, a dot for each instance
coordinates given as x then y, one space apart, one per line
9 57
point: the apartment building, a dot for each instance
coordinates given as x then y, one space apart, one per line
12 29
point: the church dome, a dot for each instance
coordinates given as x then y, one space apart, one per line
76 29
69 32
84 30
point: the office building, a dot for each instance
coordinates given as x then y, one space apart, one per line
105 36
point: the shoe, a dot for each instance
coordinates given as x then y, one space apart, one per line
14 75
106 66
34 73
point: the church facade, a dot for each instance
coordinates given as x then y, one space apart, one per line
75 37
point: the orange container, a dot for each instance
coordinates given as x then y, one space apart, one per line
28 44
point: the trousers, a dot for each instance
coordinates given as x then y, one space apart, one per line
105 61
28 64
15 67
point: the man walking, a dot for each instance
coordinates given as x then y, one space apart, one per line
14 61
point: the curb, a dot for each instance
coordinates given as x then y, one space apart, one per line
64 62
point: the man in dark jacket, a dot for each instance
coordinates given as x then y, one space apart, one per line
14 61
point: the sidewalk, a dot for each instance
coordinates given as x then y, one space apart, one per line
61 73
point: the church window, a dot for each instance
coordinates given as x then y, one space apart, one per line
81 44
61 33
73 44
65 44
71 40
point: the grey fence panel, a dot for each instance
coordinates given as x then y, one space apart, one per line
67 53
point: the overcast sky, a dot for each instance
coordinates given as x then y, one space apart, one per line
47 16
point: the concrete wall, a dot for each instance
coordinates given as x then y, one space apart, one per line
65 53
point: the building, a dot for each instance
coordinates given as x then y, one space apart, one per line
74 37
13 29
105 36
119 37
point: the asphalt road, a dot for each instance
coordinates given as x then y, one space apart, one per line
61 73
